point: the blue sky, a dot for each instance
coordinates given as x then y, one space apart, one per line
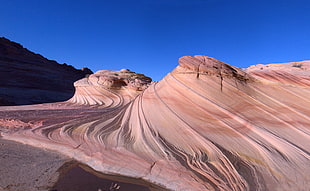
148 36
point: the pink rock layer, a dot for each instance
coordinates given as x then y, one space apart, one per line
206 126
109 88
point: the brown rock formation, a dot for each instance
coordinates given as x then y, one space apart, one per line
29 78
205 126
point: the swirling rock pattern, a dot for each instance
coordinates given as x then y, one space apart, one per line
206 126
109 88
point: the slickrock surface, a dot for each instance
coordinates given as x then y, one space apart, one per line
285 73
109 88
206 126
29 78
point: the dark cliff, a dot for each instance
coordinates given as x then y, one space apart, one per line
29 78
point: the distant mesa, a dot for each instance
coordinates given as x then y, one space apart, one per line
29 78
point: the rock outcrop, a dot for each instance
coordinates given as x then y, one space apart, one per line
285 73
206 126
109 88
29 78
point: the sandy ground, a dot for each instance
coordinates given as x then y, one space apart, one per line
27 168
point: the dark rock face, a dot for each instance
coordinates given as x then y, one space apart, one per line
29 78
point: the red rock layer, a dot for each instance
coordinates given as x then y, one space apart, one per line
205 126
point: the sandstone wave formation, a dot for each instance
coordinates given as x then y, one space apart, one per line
205 126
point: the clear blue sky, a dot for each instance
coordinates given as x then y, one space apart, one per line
148 36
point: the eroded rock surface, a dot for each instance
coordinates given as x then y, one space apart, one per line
109 88
206 126
285 73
